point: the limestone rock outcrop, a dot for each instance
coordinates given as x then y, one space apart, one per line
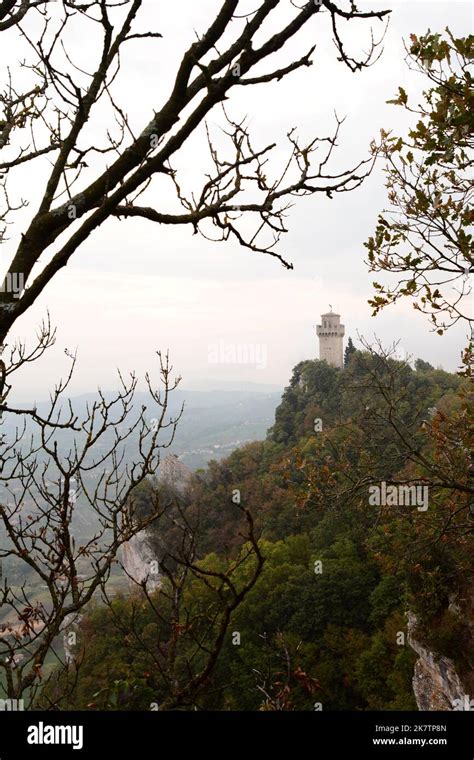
436 684
140 562
174 475
139 558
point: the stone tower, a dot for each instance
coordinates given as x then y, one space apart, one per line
330 333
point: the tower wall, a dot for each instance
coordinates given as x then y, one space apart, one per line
331 333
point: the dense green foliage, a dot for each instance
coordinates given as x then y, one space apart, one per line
325 624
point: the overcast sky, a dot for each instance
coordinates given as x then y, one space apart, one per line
135 286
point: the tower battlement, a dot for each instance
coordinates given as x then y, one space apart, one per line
331 333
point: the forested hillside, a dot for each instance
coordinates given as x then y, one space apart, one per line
284 584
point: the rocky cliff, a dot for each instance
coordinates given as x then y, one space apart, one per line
436 684
140 562
139 559
71 631
175 475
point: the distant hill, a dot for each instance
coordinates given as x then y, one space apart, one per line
213 424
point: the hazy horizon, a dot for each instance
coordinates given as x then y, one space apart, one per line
135 287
